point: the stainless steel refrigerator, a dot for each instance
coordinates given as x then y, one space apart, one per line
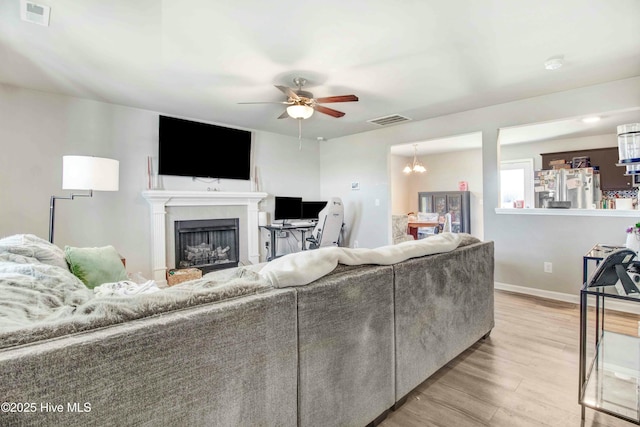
580 187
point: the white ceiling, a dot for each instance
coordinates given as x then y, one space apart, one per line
417 58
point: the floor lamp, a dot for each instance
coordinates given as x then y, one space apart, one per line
84 173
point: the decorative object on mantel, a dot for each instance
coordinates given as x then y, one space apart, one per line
153 178
633 238
85 173
255 180
416 166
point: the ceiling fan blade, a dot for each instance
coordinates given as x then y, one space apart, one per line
289 92
284 115
339 98
283 102
329 111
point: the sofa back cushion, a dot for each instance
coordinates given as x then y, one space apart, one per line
345 339
443 304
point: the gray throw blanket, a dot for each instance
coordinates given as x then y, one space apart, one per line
40 298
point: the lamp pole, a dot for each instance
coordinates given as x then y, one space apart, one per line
52 209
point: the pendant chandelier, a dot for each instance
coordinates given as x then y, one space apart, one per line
416 166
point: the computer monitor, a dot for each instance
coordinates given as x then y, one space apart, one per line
310 210
288 208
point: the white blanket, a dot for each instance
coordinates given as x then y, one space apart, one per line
304 267
125 288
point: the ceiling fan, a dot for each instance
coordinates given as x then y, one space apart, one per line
302 104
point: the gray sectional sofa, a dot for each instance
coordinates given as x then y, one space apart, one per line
342 350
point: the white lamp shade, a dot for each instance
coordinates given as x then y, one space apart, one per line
90 173
299 111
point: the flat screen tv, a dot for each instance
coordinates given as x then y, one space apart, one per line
196 149
310 210
288 208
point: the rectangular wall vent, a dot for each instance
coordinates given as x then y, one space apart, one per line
34 13
389 120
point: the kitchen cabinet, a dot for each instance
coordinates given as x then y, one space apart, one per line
612 177
457 203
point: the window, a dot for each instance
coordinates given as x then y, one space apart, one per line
516 183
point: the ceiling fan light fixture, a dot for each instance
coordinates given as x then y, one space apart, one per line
299 111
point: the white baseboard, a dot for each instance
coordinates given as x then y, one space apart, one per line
627 307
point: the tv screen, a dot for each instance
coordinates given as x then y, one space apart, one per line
288 208
196 149
310 210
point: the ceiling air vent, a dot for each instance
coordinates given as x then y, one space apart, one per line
34 13
389 120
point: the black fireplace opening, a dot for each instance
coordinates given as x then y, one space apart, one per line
207 244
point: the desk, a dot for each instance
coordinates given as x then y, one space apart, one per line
287 227
414 225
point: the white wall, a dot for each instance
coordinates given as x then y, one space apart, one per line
401 188
367 211
522 242
37 129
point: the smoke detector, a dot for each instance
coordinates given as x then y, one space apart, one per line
34 13
554 62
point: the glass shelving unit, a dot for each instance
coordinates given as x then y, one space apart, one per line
609 361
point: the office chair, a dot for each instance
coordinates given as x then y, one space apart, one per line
330 222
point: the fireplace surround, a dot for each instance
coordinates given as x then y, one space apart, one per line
160 200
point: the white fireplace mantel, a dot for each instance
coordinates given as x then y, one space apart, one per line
160 199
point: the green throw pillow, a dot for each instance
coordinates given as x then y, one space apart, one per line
95 266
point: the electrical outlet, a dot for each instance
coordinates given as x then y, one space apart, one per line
355 244
548 267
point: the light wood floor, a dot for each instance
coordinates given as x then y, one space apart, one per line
524 374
